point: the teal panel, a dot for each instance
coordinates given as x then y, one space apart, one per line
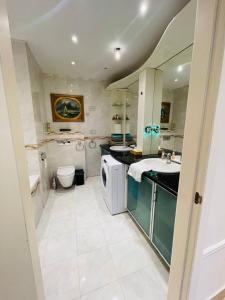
164 217
139 201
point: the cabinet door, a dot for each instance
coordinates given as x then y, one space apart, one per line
163 225
139 201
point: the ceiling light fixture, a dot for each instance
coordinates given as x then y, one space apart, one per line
74 39
180 68
143 8
117 53
73 63
176 79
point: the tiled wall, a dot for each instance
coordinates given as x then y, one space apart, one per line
36 111
97 106
31 100
64 155
40 118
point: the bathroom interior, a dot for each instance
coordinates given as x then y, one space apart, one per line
104 180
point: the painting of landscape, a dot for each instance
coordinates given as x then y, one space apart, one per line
67 108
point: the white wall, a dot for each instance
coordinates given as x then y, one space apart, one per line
97 107
33 117
20 269
40 117
178 99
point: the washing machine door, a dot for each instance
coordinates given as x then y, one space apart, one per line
104 176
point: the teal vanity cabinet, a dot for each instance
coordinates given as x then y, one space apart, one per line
139 201
153 208
163 222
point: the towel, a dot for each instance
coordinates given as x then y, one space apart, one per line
136 170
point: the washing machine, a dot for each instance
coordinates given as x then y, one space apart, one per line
113 178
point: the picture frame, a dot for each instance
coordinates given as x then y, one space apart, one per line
67 108
165 112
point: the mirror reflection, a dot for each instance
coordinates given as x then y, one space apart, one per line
176 74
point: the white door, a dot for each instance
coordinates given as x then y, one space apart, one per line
208 275
193 248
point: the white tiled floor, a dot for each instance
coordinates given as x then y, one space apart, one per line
87 254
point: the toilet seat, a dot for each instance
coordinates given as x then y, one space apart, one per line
65 176
65 171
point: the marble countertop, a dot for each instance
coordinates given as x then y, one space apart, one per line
168 181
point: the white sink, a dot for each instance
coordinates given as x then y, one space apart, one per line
161 166
120 148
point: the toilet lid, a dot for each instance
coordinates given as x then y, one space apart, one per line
65 171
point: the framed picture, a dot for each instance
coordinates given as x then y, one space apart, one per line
67 108
165 112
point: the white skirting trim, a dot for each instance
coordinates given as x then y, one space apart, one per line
214 248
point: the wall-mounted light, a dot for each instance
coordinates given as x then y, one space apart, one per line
73 63
176 80
117 52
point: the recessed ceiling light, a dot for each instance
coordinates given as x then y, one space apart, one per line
117 53
73 63
143 8
176 79
180 68
74 39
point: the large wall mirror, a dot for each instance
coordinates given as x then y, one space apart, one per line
175 85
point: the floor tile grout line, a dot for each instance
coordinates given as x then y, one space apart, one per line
99 288
107 246
78 269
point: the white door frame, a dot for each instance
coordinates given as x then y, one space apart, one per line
206 64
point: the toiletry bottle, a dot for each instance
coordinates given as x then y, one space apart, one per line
173 157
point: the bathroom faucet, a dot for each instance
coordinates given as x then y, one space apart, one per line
168 161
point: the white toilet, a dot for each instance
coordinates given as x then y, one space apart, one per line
65 175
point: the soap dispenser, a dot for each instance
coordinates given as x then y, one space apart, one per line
173 157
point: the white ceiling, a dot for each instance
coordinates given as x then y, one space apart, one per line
101 25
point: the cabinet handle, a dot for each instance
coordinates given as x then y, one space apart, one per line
155 196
